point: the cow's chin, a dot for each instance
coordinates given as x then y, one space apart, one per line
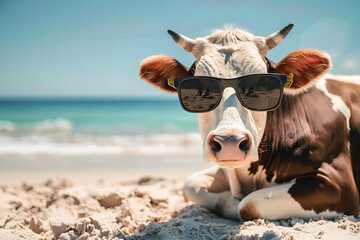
230 164
236 163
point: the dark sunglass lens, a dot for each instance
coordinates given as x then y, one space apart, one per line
260 92
199 95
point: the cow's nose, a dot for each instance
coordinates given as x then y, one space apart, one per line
232 147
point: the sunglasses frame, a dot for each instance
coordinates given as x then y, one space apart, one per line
234 83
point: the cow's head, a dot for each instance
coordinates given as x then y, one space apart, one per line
231 133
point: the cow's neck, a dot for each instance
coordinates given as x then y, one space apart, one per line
235 186
293 131
243 181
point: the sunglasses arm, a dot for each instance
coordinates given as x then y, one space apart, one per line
170 82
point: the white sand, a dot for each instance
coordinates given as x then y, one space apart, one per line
146 208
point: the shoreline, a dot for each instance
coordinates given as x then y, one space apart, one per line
34 169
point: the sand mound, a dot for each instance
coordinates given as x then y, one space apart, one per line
149 208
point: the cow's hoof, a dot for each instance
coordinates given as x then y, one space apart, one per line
249 212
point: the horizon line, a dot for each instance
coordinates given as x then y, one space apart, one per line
88 97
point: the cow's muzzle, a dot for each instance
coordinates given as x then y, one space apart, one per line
230 147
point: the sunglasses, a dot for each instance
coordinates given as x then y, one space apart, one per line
256 92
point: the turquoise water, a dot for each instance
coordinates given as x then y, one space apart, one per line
95 117
71 134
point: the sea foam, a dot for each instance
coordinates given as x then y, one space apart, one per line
58 125
188 144
54 126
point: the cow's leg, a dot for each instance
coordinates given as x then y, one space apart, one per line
277 203
210 189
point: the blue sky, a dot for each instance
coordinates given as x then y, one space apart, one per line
93 48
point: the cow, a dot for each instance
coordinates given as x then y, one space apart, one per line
301 159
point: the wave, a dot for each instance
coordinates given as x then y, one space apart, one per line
58 125
65 126
54 126
83 145
7 126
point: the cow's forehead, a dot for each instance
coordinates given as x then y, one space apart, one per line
229 37
229 62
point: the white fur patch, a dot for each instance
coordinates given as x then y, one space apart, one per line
298 91
354 79
276 203
338 105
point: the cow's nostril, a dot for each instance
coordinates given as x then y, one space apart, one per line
245 145
230 145
215 146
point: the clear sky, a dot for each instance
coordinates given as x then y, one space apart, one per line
93 48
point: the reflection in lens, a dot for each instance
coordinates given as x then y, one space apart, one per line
260 92
199 94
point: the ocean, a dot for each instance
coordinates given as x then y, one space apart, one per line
42 133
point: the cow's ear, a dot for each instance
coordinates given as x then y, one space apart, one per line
158 69
305 65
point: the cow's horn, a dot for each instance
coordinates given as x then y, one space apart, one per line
275 38
186 43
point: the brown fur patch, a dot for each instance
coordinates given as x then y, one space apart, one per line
306 65
219 209
309 141
249 212
157 70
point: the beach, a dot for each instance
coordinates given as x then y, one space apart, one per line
104 170
147 207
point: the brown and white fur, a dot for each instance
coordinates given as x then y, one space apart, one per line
301 160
